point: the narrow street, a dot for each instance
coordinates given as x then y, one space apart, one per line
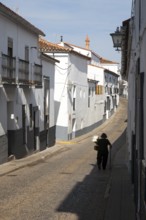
67 185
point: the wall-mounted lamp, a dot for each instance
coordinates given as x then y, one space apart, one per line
117 38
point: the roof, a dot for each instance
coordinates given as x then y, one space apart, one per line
7 12
47 57
100 67
105 61
48 47
102 60
72 45
111 72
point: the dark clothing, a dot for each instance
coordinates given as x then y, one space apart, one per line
103 145
102 159
102 154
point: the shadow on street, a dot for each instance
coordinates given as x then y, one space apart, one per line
88 199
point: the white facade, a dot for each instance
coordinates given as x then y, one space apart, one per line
71 95
26 89
47 105
106 73
136 104
33 113
114 67
78 106
95 59
96 73
80 98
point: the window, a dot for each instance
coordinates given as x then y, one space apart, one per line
106 89
108 103
92 91
10 47
10 63
99 90
111 90
27 53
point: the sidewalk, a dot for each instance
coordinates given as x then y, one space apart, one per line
120 205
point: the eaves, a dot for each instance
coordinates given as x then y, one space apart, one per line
93 80
81 55
88 50
49 58
100 67
111 72
48 47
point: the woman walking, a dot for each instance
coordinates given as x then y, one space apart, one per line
102 153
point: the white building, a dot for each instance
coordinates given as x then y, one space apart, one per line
106 73
71 90
112 92
134 67
26 88
79 89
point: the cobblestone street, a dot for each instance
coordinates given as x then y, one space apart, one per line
64 182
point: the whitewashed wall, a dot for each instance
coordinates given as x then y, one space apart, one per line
79 78
49 72
112 67
62 71
95 59
21 38
96 73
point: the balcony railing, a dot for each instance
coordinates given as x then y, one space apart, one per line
23 74
8 74
37 75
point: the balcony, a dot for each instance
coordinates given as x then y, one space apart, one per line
20 72
8 74
37 75
23 72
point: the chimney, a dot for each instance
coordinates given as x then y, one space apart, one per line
61 41
61 38
87 41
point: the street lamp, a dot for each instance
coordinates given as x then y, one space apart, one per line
117 38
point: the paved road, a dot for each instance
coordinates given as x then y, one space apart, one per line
67 185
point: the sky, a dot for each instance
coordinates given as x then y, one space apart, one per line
75 19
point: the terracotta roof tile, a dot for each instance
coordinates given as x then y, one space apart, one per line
105 61
49 47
